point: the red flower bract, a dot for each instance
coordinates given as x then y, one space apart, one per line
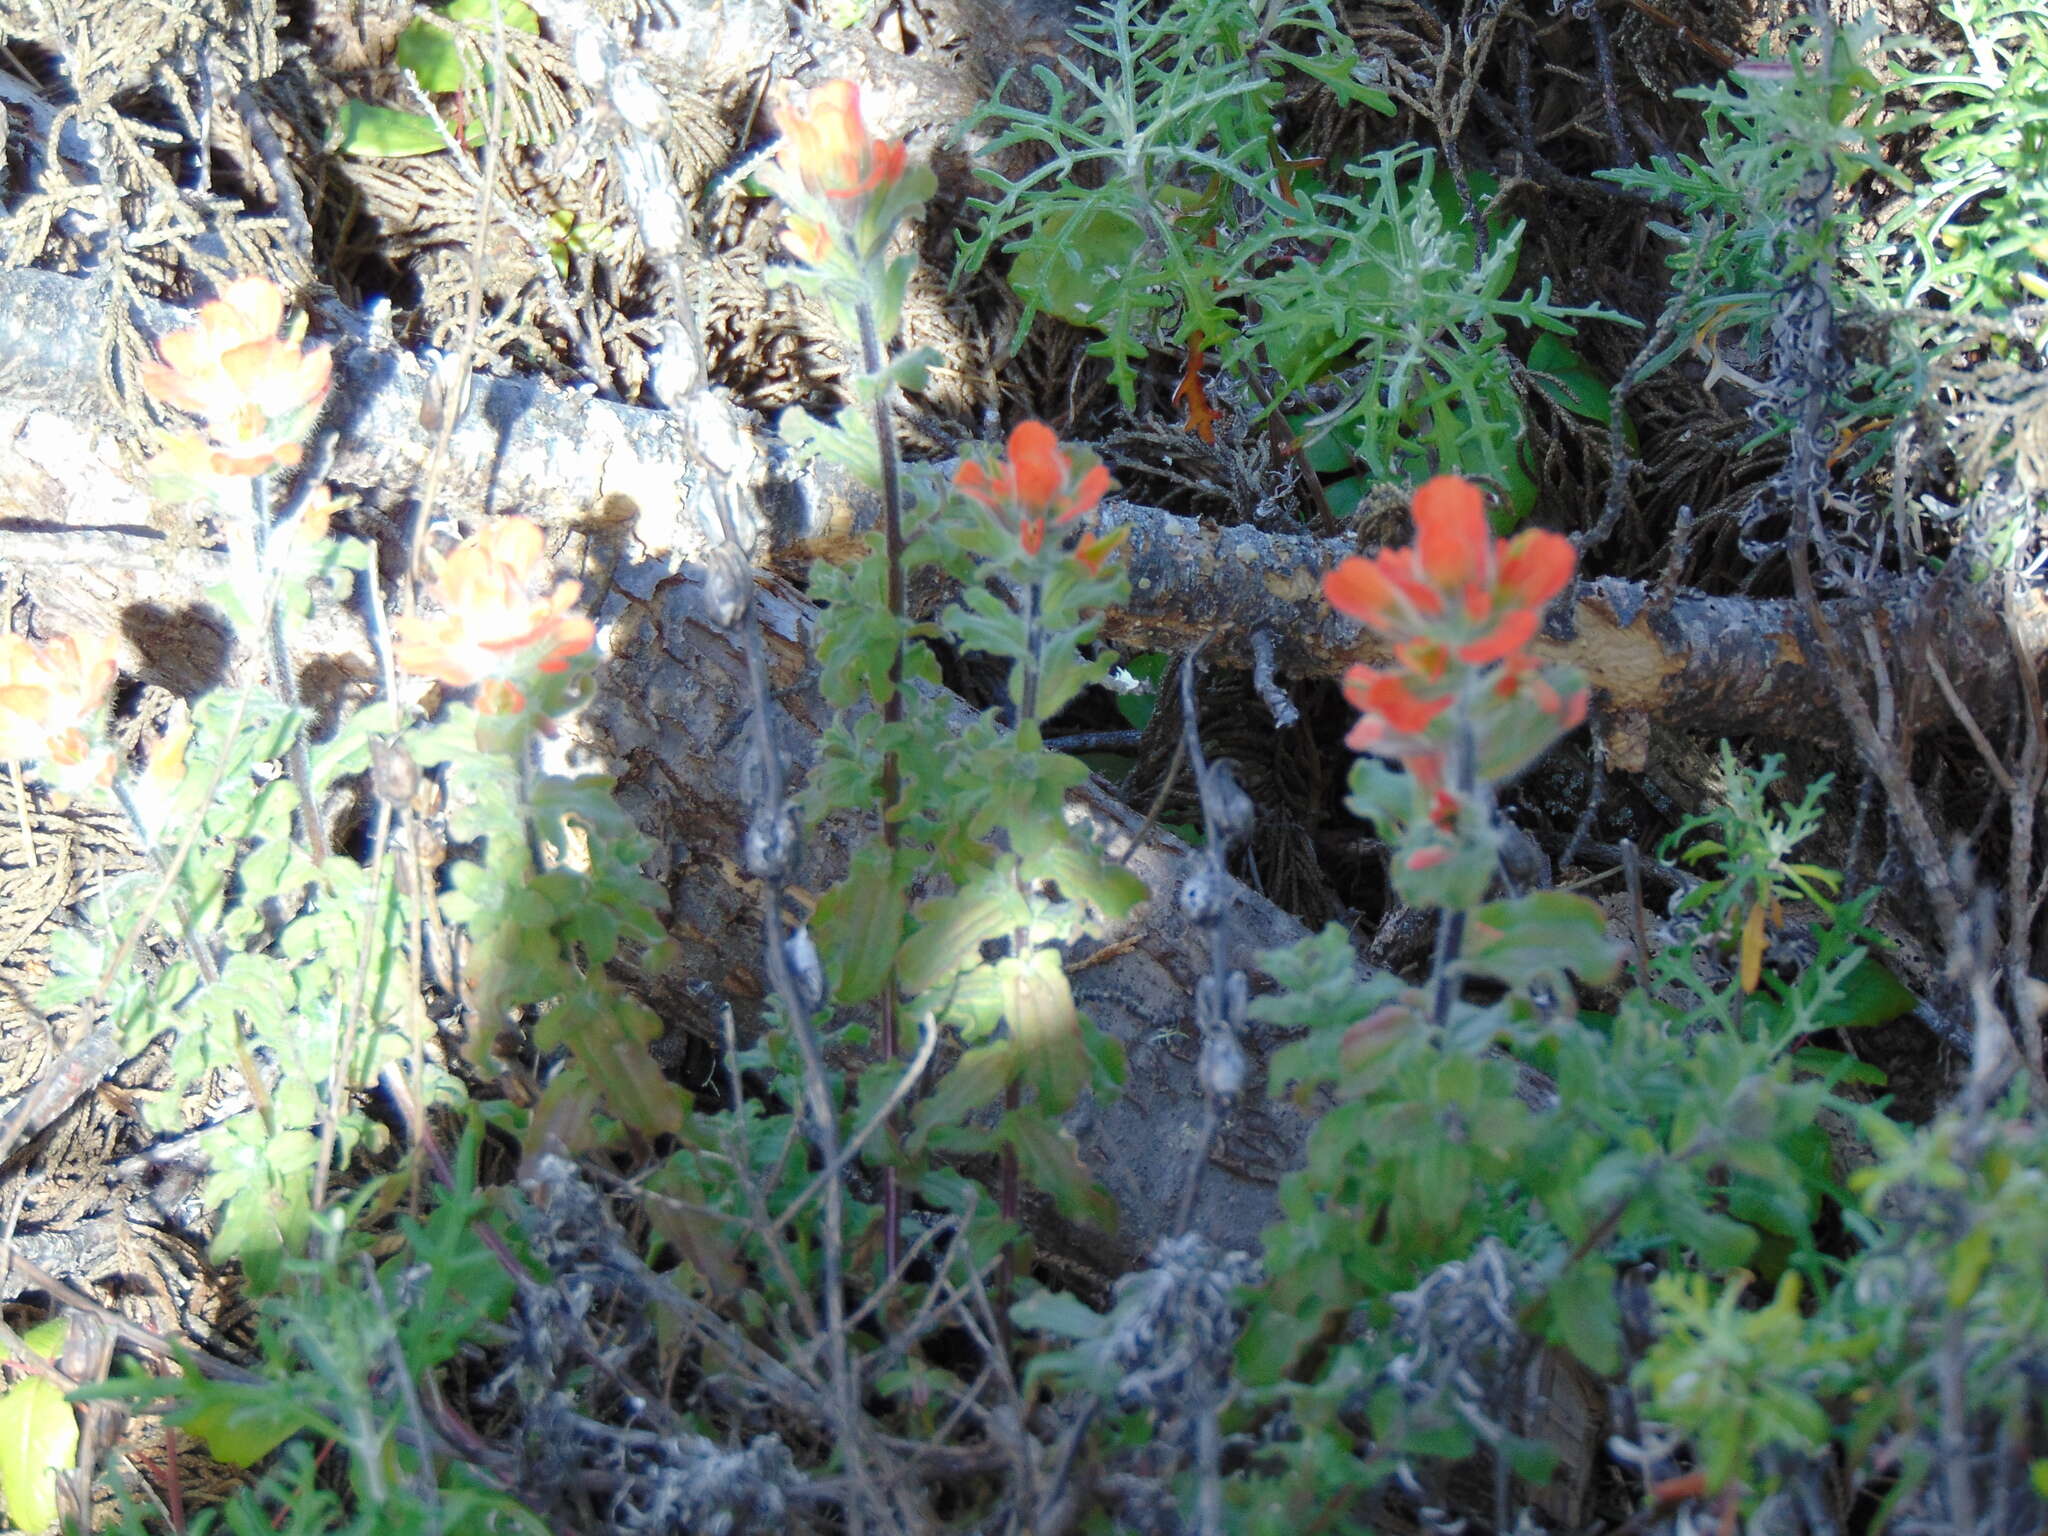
827 148
1456 600
1036 479
1035 485
257 392
491 628
49 693
1450 532
1388 695
1498 587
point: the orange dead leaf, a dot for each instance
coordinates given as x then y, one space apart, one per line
1201 415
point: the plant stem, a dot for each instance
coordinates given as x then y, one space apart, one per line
284 683
1008 1194
1450 930
871 360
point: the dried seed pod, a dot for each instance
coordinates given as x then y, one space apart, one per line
1201 899
771 846
1222 1068
1221 1008
1229 808
728 584
806 970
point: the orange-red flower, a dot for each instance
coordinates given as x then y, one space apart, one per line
809 241
256 391
186 463
1096 550
48 695
1457 599
1038 484
827 149
1382 591
491 628
1522 678
1496 588
1388 696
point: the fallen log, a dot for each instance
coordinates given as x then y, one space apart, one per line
1705 664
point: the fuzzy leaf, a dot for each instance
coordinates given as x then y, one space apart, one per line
1584 1317
976 1079
38 1438
1056 1312
1050 1163
1039 1006
860 924
1514 940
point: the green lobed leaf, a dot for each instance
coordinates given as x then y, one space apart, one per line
1051 1163
1038 1006
951 930
1059 1313
977 1079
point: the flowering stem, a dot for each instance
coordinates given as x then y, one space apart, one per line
284 682
1007 1179
871 362
1450 930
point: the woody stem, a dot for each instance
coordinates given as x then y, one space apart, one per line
871 362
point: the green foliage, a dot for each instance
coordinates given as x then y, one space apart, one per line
1801 1315
336 1340
295 1497
1168 217
38 1437
1744 1383
1411 315
249 945
1165 181
1683 1130
447 56
1797 126
1963 242
324 996
1978 222
446 60
980 825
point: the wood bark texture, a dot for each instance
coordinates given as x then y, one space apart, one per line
1703 664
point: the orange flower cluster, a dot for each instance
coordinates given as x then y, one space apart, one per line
256 392
48 695
1455 601
1038 485
827 148
829 159
491 630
